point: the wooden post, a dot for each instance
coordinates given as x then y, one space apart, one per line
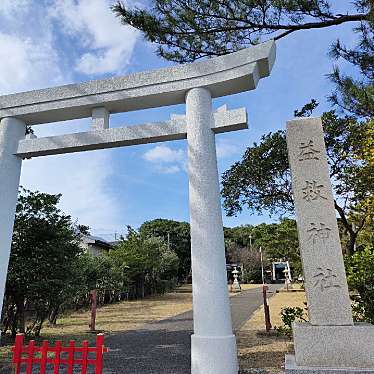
93 310
266 309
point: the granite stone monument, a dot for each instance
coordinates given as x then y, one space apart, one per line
330 342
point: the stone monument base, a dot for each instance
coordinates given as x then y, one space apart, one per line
292 368
334 346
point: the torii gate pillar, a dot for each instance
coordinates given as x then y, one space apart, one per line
213 348
12 130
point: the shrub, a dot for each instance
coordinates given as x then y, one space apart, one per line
360 277
290 315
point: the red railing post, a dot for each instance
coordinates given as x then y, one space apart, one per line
71 356
17 352
56 361
99 353
43 358
84 357
57 357
30 358
266 309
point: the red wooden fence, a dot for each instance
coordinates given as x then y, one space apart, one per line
58 355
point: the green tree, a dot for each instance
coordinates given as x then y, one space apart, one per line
148 263
189 30
355 95
44 249
177 236
262 180
98 273
280 242
360 276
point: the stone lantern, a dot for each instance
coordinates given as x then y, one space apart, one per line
236 286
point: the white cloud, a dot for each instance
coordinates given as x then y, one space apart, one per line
60 36
109 44
82 180
169 161
162 153
169 169
166 159
9 7
225 149
26 63
34 58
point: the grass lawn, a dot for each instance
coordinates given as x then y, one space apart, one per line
119 317
258 349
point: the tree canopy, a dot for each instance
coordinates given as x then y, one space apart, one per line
262 180
44 248
145 261
278 241
176 235
187 30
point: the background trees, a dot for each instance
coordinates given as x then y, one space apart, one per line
278 241
49 273
177 236
262 179
146 262
40 275
360 275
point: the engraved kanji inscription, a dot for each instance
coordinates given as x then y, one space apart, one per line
325 279
313 191
319 232
308 152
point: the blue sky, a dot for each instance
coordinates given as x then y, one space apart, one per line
51 42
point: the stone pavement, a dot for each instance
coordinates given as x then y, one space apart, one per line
164 347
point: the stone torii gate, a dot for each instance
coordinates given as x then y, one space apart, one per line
213 342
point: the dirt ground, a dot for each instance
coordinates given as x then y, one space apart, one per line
119 317
258 349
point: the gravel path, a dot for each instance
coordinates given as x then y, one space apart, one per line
164 347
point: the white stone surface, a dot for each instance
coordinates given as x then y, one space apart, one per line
325 278
11 131
213 343
292 368
334 346
175 129
224 75
100 119
216 354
